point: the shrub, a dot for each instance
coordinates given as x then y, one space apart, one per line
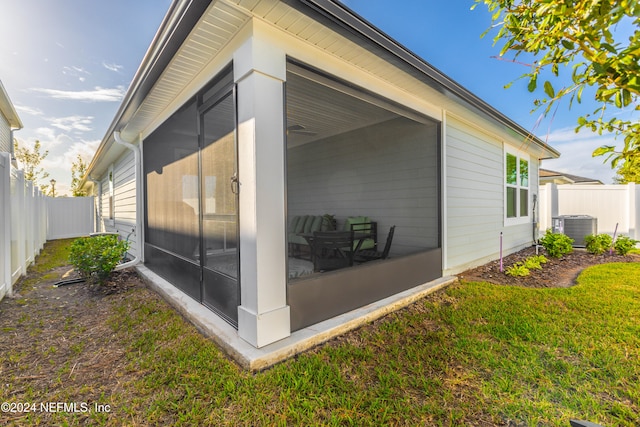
96 257
624 244
598 244
557 244
517 270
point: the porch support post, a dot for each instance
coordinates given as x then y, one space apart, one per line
259 71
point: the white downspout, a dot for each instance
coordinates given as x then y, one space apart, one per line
136 165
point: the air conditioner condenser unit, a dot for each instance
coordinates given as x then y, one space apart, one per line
576 227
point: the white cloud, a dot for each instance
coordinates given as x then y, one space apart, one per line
49 138
111 66
29 110
98 94
86 150
74 71
73 123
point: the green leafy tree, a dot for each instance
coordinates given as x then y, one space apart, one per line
30 162
78 170
628 171
586 36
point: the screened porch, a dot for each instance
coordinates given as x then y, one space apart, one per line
361 168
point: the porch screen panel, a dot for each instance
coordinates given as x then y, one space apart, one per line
219 211
171 173
218 167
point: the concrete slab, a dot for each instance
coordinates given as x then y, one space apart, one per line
255 359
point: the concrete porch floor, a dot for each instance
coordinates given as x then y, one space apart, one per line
256 359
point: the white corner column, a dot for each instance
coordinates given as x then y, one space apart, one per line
260 71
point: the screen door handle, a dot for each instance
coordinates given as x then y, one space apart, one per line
235 184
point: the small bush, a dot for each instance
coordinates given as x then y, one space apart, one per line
598 244
517 270
96 257
557 244
624 244
535 262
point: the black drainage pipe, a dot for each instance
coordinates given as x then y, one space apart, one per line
68 282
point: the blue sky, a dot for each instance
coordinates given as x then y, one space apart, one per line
66 65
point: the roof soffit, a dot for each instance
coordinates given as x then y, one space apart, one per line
8 110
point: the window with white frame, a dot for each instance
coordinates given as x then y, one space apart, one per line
516 185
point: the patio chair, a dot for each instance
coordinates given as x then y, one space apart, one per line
331 250
370 255
362 225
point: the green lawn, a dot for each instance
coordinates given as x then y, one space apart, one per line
473 354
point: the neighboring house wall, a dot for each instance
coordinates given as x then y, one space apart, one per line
475 198
124 199
5 135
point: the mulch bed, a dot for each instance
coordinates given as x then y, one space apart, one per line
56 339
556 273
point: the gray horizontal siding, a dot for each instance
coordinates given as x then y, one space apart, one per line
475 198
474 194
5 135
124 200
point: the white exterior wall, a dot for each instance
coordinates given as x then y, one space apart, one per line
5 135
103 205
475 198
124 183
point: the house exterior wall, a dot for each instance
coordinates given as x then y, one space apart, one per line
473 165
5 135
124 222
475 197
103 209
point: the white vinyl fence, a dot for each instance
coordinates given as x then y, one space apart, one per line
28 219
610 204
69 217
23 224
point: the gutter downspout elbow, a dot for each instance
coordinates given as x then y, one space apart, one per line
136 165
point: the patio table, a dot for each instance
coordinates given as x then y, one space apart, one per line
358 238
